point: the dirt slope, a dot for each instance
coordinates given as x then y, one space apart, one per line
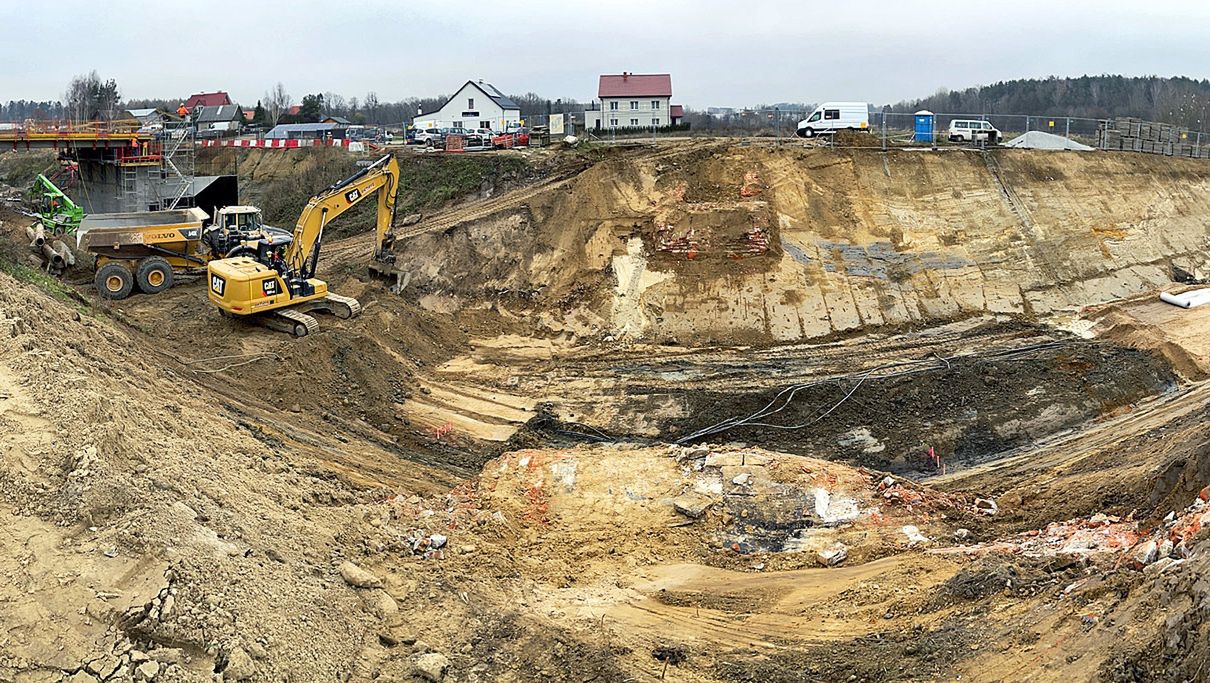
183 497
124 481
747 244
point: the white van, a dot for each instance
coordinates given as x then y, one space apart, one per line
830 117
970 130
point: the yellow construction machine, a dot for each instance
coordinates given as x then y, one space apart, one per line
275 283
145 249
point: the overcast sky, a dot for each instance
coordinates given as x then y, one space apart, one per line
719 53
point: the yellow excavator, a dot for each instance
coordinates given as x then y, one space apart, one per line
273 283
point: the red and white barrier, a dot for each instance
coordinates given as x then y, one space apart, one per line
278 143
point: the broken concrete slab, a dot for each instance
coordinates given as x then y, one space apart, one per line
692 505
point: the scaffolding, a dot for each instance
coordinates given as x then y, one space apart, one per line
156 174
177 166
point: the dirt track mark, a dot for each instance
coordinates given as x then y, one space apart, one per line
342 250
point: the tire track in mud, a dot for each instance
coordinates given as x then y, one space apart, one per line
342 250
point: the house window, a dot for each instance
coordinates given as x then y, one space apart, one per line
457 124
485 124
634 105
613 106
634 122
470 103
613 123
655 122
655 104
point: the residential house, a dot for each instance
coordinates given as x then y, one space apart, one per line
151 120
227 117
477 104
338 120
207 99
629 100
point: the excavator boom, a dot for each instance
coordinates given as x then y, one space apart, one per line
381 178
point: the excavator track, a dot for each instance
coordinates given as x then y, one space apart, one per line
343 307
290 321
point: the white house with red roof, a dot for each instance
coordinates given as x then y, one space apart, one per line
629 100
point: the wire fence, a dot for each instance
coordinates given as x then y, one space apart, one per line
888 129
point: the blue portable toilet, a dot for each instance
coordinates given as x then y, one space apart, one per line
924 126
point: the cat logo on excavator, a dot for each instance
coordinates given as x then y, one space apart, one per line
352 196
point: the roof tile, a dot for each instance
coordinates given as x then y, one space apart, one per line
635 85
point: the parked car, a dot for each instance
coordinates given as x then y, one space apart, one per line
971 130
830 117
517 137
429 137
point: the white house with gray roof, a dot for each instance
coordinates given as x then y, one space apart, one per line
477 104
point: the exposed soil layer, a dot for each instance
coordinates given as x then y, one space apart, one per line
410 490
713 244
966 410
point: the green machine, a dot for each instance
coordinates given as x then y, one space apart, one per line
57 213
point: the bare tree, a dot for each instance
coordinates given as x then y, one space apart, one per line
370 104
80 98
334 104
276 102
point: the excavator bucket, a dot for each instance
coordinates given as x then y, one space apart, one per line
387 271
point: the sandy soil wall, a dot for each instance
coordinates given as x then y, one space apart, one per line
745 244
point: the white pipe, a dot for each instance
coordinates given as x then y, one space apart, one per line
1188 299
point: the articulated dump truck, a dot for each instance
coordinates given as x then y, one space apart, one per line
145 249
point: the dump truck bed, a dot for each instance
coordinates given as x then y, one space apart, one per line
137 227
142 219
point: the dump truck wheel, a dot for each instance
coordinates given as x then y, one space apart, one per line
153 275
114 281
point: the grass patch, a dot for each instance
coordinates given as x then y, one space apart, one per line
19 169
36 277
426 183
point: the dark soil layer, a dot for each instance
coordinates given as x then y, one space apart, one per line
914 654
968 413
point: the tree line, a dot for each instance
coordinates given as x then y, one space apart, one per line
89 98
1182 101
1179 100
